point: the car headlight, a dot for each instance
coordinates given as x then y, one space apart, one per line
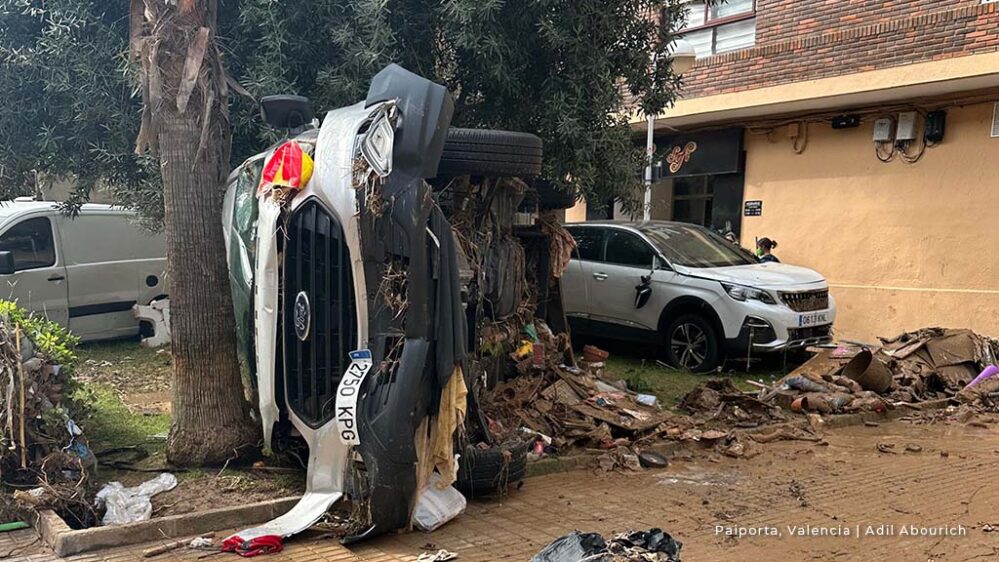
740 293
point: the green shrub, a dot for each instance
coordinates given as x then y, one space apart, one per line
49 337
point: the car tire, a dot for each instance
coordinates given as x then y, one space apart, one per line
484 152
692 343
483 472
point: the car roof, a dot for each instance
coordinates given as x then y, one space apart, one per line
637 225
12 209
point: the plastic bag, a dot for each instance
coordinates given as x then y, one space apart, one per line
127 505
289 167
572 548
436 506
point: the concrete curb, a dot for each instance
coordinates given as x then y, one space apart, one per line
66 541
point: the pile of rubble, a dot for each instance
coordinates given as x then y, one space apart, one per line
40 445
572 406
909 370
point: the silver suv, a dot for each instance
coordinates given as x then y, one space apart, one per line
687 290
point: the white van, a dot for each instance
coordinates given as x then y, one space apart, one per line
84 272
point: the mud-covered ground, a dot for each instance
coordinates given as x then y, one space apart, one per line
931 499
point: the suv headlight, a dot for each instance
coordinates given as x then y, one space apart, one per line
740 293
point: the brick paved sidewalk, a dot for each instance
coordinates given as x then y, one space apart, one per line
791 483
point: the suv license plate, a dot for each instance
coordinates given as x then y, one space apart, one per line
814 319
346 396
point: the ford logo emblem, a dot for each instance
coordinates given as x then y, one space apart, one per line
303 316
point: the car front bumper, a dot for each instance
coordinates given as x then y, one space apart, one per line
772 328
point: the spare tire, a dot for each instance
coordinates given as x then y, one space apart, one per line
485 471
551 198
484 152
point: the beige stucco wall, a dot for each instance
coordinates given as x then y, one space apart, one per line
903 246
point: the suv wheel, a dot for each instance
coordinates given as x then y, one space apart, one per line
692 344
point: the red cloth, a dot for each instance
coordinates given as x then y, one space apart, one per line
266 544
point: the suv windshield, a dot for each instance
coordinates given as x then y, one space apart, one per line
692 246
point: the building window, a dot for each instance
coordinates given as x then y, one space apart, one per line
715 27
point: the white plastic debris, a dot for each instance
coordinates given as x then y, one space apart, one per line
127 505
200 542
158 315
436 506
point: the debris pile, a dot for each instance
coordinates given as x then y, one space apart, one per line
573 406
40 445
718 404
907 370
654 545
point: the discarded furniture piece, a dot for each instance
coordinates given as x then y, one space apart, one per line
157 317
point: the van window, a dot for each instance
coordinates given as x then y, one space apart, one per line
626 248
31 243
98 238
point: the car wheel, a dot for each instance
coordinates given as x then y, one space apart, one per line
551 198
485 471
483 152
692 344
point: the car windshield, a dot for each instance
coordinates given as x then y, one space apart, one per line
692 246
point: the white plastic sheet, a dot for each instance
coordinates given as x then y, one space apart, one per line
127 505
436 506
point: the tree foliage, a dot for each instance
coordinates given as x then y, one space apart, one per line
551 67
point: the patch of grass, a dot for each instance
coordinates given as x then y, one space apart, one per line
125 365
669 385
111 424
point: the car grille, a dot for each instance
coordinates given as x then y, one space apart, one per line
807 301
809 333
319 329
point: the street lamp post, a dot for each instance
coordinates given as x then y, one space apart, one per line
683 57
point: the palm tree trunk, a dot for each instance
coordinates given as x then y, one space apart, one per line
185 119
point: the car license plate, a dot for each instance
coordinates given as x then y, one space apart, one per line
346 396
813 319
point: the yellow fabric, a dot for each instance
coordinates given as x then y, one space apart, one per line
450 419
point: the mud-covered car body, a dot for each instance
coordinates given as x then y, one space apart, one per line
348 296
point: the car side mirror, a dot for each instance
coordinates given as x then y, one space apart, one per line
7 263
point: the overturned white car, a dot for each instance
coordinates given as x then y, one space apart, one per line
354 299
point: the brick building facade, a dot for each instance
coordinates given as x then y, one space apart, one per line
798 40
866 137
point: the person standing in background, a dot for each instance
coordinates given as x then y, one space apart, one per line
764 249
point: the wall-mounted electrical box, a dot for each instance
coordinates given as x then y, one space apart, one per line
884 130
936 125
906 129
845 121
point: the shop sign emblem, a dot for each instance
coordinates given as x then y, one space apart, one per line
679 156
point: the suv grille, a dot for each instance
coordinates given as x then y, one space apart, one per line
807 301
319 320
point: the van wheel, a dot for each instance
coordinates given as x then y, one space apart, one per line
483 152
692 344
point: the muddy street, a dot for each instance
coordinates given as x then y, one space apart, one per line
928 500
825 490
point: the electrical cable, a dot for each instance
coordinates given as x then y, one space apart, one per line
803 136
879 152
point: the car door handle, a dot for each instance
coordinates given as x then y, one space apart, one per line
600 276
57 278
